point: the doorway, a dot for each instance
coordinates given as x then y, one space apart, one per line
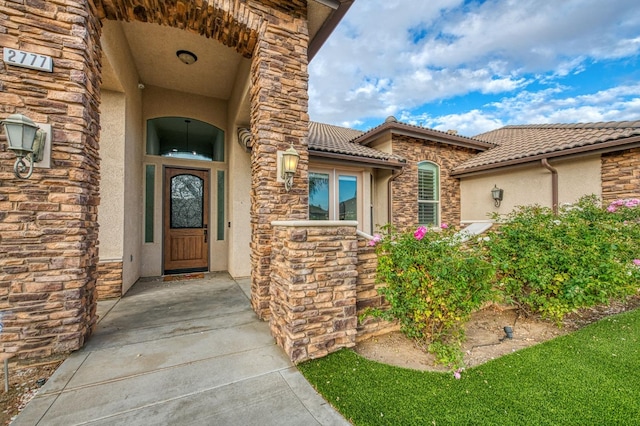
185 220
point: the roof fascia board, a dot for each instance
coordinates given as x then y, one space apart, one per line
601 148
340 8
482 146
372 162
333 4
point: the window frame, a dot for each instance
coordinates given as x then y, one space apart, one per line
333 188
437 201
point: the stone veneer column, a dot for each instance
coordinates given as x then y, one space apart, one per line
313 287
621 174
279 119
48 228
109 284
367 295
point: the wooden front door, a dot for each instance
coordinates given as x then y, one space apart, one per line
186 220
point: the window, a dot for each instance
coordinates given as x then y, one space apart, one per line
333 195
318 196
180 137
428 194
149 202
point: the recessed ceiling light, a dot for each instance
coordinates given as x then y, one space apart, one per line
186 57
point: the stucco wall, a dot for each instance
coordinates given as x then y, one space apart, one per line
239 187
111 211
529 185
121 149
381 198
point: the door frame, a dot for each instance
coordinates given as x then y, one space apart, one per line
166 206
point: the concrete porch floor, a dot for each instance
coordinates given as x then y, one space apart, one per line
186 352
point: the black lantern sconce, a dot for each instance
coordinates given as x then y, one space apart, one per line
497 194
288 166
27 141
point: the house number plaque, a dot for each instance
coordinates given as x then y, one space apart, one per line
20 58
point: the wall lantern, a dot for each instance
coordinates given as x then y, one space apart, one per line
289 165
497 194
27 141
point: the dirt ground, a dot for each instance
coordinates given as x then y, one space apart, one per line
24 382
485 336
484 333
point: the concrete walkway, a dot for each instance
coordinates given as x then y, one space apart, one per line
179 353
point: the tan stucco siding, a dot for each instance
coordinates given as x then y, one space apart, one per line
529 185
121 150
111 211
239 184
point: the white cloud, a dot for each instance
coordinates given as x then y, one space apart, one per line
542 107
389 56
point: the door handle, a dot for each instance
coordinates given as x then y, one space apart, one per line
206 233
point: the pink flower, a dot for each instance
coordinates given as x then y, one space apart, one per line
611 208
457 374
633 202
444 225
375 240
636 262
420 233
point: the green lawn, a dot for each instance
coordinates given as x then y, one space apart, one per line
590 377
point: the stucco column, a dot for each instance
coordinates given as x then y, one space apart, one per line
279 119
48 228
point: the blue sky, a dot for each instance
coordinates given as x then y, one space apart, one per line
474 66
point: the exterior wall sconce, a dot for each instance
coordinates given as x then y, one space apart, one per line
288 166
497 194
27 141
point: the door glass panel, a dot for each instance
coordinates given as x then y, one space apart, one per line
187 201
149 202
348 198
318 196
220 205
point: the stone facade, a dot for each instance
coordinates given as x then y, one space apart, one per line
109 285
621 174
279 120
313 287
405 187
367 294
48 223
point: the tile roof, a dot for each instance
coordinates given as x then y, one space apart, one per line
524 143
326 138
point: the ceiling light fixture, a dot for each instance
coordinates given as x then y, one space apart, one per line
186 57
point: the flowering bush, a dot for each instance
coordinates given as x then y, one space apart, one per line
434 283
555 264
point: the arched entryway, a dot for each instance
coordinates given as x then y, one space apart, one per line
97 101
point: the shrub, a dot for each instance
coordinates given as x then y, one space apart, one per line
555 264
433 284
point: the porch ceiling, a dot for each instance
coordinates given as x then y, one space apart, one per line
153 51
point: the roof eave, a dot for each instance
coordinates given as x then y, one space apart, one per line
353 159
599 148
330 24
